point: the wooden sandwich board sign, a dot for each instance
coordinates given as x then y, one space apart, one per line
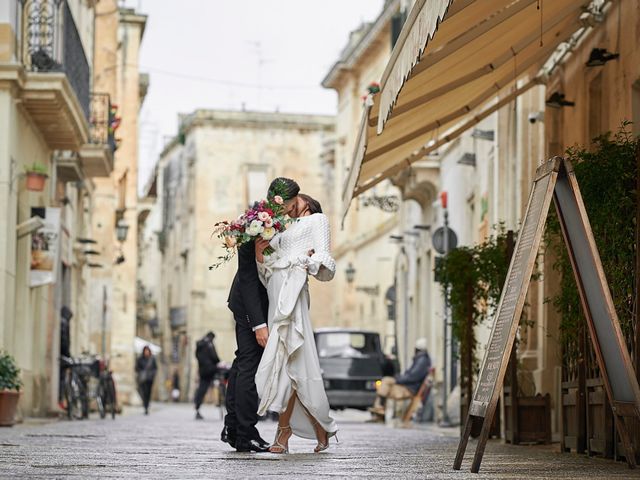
555 179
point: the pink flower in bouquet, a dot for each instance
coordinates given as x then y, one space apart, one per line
268 223
278 199
263 216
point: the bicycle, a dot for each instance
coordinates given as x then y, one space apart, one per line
105 391
76 374
220 384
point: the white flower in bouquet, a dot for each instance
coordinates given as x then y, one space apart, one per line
268 233
255 228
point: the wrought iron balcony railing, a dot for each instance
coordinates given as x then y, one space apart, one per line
51 43
101 119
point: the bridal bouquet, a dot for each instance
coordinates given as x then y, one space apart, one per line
263 220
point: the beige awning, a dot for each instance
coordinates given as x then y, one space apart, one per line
455 63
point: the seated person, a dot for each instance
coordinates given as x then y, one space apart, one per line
405 386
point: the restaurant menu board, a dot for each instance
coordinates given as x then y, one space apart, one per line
513 293
555 179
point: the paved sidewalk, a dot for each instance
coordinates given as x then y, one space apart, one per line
169 443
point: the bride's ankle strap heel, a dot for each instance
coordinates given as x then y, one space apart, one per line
276 443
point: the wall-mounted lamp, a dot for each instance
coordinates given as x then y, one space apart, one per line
467 159
122 228
600 56
557 100
351 273
488 135
374 291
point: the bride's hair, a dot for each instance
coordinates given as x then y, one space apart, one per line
312 203
285 187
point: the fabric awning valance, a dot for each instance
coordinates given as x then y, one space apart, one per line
455 62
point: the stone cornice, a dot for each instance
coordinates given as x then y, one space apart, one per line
353 53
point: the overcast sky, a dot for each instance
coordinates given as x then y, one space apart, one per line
263 54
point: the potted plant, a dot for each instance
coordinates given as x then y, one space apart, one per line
10 384
36 176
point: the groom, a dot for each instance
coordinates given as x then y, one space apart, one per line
249 303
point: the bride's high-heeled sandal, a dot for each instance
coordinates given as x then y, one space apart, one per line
321 445
276 443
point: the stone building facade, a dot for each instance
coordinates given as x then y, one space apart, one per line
113 289
51 118
363 245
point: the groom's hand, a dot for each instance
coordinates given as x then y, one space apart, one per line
260 245
262 335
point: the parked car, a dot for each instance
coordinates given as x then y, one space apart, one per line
351 362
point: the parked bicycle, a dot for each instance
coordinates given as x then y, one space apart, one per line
76 379
105 391
78 373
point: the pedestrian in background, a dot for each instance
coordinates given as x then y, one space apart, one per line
207 367
405 386
146 369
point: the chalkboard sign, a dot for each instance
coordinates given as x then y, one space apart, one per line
555 179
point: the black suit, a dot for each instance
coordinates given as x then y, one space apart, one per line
249 303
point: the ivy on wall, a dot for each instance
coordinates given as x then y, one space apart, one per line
607 176
472 280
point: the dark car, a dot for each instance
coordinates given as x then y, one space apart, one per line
351 362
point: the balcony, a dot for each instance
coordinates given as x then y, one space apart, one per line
97 155
55 86
95 158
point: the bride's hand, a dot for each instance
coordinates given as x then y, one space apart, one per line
260 245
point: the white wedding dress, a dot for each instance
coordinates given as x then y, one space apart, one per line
290 359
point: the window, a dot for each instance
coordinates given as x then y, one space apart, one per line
257 183
347 344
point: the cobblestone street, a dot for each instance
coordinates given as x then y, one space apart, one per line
171 444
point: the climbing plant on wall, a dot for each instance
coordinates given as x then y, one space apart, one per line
607 175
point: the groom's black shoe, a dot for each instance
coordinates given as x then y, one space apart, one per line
252 445
227 437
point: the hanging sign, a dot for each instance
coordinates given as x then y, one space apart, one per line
45 247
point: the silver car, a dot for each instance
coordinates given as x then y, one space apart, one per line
351 363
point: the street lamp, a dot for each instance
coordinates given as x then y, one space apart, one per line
351 273
122 228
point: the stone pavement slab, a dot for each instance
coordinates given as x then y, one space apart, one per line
169 443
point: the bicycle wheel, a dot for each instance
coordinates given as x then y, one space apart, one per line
84 399
111 395
74 400
101 399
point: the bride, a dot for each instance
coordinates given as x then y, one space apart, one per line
288 378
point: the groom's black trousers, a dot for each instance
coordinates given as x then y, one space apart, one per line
242 396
